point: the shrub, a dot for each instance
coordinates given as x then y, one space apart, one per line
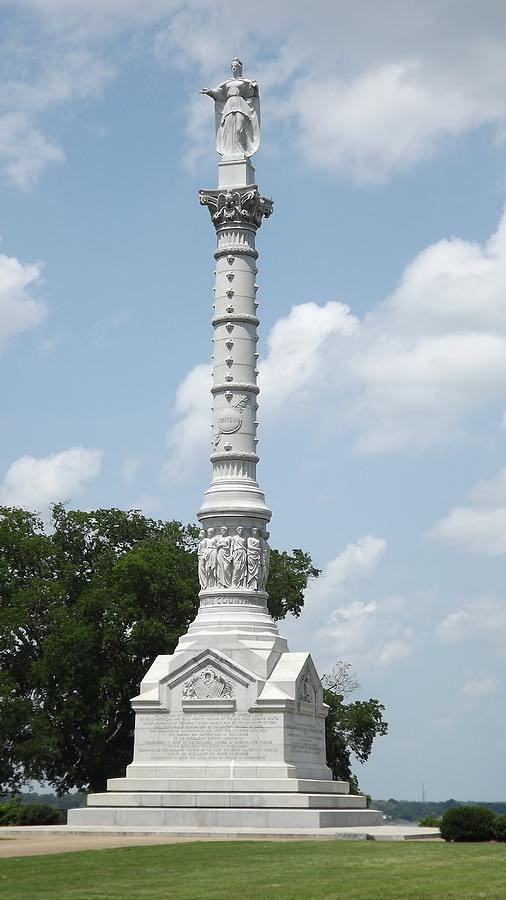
9 812
468 823
38 814
13 812
430 822
500 828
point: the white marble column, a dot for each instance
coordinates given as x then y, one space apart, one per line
234 553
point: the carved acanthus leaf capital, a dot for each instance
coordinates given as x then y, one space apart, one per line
243 206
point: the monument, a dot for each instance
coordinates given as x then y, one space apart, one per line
229 729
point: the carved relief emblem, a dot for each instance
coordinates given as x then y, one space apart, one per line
229 420
306 689
208 684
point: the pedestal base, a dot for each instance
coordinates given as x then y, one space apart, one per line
231 737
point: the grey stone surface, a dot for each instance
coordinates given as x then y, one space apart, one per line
203 817
229 800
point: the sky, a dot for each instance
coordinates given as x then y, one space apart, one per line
383 319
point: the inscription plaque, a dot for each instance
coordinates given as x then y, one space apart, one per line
181 736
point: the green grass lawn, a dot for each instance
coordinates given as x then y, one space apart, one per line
247 870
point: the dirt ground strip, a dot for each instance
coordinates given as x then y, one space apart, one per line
54 839
38 845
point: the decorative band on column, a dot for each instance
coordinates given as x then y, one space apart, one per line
235 317
236 249
235 454
236 385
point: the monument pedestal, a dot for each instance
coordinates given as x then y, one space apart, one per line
229 738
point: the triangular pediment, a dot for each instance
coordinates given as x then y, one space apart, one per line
210 661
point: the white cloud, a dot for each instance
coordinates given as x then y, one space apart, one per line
374 633
481 526
481 620
360 107
35 482
411 374
371 633
19 309
355 562
480 688
45 77
190 437
388 93
297 345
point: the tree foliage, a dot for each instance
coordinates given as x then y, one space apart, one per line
85 607
350 728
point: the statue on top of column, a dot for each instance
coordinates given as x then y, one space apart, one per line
237 111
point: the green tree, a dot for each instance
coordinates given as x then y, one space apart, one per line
85 607
350 728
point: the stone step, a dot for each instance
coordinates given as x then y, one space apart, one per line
226 818
225 785
226 769
229 800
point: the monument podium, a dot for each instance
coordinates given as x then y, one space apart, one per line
229 729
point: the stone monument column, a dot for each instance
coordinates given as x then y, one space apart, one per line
229 729
234 552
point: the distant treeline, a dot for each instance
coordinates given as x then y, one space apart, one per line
414 810
68 801
409 810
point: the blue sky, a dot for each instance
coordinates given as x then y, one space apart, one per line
383 307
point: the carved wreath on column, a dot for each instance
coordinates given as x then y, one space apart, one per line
233 561
208 684
236 207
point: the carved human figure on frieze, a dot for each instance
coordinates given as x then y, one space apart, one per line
202 554
265 555
253 553
237 114
211 556
239 558
223 558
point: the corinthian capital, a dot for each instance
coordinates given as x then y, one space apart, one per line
237 206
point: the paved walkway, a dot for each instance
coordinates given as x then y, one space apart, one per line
43 839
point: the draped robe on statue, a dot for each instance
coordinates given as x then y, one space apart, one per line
237 110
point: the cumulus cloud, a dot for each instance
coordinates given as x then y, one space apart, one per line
481 620
479 688
38 80
387 94
20 308
411 374
355 562
190 436
479 527
378 100
374 633
33 482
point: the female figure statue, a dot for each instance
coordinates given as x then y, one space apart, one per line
202 552
239 559
265 553
211 558
253 560
223 558
237 111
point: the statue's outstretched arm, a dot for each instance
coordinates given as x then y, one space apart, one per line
217 93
